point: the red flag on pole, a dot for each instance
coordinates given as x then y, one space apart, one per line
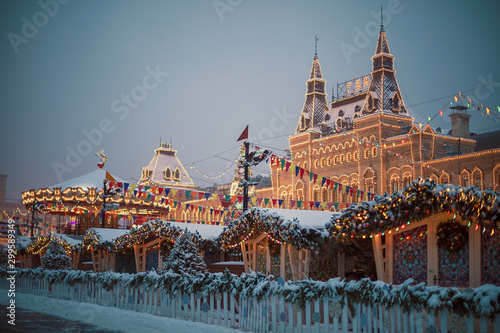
243 135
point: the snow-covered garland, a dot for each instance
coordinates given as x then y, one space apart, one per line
93 239
483 301
157 228
257 221
418 200
42 242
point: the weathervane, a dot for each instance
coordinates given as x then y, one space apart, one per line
103 157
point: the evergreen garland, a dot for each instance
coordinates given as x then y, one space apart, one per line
483 301
419 200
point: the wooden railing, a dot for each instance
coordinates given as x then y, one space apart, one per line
268 314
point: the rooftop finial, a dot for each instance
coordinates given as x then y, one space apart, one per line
316 46
381 18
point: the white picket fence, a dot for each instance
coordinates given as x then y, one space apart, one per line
266 315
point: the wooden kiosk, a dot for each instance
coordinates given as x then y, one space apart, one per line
281 242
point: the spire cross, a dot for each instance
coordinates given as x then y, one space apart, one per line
316 46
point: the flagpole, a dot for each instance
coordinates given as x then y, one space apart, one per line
245 187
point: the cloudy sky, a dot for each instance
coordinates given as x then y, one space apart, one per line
77 76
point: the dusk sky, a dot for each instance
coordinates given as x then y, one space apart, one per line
119 75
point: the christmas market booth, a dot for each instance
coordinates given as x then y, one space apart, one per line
105 254
153 241
25 259
70 243
285 243
442 235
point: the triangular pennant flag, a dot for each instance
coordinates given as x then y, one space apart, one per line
301 173
243 135
188 194
109 177
280 202
282 163
125 186
160 190
311 204
315 177
274 201
297 169
133 186
167 191
292 203
266 201
259 201
317 203
324 204
328 183
299 203
200 195
180 193
336 205
287 166
311 175
323 181
240 199
174 193
336 185
207 195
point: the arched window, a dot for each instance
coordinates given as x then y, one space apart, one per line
168 174
325 194
177 174
356 156
349 157
394 184
329 161
374 151
342 158
367 152
322 162
336 160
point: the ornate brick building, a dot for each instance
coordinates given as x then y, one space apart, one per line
367 140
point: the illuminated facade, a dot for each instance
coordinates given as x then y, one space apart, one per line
367 140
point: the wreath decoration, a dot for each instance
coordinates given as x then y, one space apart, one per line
452 236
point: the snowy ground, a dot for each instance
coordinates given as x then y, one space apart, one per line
107 317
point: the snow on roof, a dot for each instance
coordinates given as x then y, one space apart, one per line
108 234
206 231
70 239
22 242
306 218
92 179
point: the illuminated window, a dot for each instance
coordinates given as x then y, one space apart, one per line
342 158
367 152
356 156
322 162
316 163
349 157
374 151
325 194
336 160
329 161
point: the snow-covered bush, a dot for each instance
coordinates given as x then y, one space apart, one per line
184 257
56 257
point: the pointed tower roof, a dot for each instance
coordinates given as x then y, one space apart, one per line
165 169
315 105
384 94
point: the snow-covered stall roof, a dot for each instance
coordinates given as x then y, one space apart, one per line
419 200
103 237
306 218
296 227
167 230
207 231
22 242
69 242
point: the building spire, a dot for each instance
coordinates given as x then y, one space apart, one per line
381 18
316 46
